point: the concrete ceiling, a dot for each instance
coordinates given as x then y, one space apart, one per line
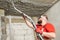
30 7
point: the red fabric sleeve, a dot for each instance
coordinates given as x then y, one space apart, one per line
50 28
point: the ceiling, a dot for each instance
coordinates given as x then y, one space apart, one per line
30 7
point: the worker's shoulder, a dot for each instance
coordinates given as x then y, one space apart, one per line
49 25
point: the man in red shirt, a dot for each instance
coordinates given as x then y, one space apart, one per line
45 28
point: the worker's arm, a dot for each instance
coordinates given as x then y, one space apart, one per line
28 23
51 31
49 35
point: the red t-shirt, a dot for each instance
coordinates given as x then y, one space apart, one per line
47 28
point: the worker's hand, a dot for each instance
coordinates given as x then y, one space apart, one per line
24 16
39 31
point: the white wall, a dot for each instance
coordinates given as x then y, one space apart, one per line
1 14
54 17
19 30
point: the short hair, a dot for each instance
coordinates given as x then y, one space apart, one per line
44 16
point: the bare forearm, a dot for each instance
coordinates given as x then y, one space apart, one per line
28 23
49 35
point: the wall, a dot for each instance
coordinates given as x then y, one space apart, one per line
18 30
1 14
54 17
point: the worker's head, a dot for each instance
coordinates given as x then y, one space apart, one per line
42 20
